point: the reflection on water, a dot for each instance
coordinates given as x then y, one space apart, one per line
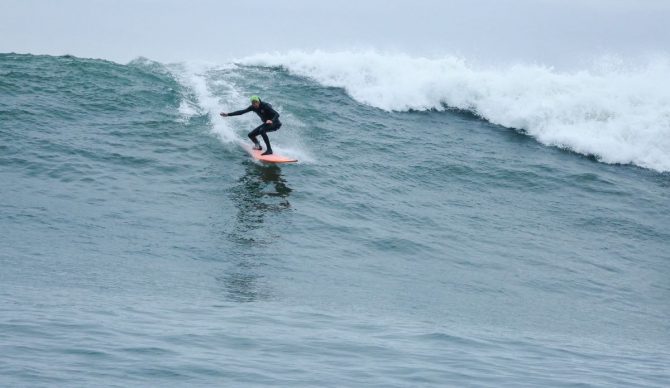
244 281
260 194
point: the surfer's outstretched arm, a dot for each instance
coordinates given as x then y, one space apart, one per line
238 112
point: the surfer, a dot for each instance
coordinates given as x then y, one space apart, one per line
270 119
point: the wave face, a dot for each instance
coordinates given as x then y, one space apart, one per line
618 114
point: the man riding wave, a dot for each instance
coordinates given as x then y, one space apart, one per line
270 119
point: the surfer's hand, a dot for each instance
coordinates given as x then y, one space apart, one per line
223 114
269 122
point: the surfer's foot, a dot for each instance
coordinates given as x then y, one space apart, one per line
257 147
268 152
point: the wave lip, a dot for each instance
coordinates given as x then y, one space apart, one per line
618 113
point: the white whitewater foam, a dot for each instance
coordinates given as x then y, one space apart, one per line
187 109
194 78
619 114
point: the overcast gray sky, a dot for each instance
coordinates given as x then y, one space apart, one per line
554 32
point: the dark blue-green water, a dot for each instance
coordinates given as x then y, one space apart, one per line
140 245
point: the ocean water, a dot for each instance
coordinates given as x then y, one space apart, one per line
447 224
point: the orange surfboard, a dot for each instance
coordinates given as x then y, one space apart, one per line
274 158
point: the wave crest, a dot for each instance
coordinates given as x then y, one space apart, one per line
619 114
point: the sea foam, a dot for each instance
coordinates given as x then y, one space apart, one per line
618 113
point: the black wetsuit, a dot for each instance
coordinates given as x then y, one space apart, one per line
265 112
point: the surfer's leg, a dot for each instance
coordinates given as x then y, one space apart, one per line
266 139
263 131
252 135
